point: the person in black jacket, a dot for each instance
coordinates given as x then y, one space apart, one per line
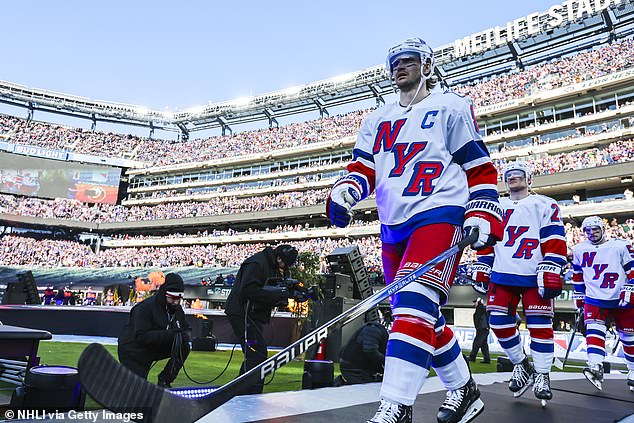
363 357
156 330
251 301
481 324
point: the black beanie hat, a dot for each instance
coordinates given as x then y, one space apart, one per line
173 285
287 253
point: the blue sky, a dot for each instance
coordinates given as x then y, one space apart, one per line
172 55
181 54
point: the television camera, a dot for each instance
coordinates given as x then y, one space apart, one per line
294 289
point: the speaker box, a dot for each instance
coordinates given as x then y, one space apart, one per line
337 285
318 374
14 293
30 287
204 344
328 308
348 260
504 364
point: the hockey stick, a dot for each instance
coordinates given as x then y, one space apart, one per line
572 338
118 389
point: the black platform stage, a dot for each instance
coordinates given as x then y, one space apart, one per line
574 399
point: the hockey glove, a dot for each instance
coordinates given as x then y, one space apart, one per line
486 215
481 275
343 197
627 295
549 280
580 300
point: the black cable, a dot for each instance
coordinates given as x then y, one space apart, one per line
177 351
216 378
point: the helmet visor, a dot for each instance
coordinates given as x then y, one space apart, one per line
406 57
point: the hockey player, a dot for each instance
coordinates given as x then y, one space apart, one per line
432 175
527 263
603 277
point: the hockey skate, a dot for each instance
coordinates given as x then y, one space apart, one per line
541 388
390 412
594 374
462 405
630 380
522 378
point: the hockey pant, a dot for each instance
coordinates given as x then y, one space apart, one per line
502 304
595 319
419 338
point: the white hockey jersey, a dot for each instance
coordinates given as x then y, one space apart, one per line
601 270
425 163
533 232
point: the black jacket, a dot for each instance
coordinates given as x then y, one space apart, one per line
249 287
366 348
481 317
146 335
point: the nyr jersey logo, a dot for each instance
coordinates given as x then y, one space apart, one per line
608 279
524 247
423 173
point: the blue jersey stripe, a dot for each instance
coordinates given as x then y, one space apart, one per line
391 234
548 231
513 280
603 303
360 153
472 150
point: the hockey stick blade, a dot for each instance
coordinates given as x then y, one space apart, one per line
117 388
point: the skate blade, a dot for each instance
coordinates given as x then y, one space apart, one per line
597 383
473 411
524 389
544 402
631 388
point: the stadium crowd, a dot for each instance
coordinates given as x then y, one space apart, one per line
26 251
67 209
582 66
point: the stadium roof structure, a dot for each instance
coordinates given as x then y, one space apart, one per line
518 45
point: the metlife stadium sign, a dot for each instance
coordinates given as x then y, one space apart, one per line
530 25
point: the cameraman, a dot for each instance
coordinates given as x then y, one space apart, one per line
156 330
251 300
